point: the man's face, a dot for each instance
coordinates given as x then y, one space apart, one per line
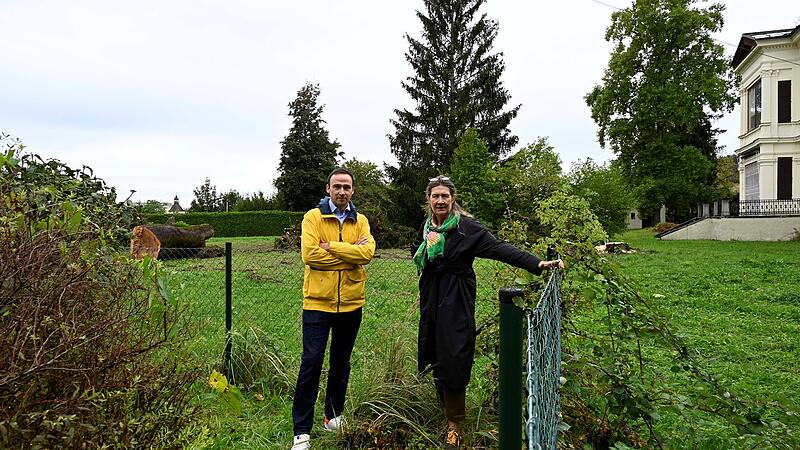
340 188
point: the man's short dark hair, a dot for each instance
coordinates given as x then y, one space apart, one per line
338 170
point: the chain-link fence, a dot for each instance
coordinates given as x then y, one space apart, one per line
251 286
266 295
544 366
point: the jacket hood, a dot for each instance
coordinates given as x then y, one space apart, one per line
325 207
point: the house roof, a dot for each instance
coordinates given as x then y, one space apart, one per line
749 41
176 207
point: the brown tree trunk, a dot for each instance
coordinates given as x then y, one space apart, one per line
193 236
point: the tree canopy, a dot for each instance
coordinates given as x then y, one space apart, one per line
257 201
606 191
307 153
667 80
475 175
206 198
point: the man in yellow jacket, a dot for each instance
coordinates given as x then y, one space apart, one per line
336 244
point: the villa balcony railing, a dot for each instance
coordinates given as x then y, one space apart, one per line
750 208
766 208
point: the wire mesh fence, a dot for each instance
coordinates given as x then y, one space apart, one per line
544 366
267 295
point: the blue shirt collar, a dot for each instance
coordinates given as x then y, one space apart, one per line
341 215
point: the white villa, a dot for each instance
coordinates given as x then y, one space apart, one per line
768 208
769 143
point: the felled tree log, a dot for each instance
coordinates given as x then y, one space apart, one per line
144 243
193 236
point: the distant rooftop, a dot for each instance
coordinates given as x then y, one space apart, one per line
750 40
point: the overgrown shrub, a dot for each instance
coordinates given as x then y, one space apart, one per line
604 187
79 321
614 394
663 226
44 185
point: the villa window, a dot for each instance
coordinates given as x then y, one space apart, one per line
751 191
785 178
754 105
784 101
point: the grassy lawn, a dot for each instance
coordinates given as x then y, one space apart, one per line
737 303
266 316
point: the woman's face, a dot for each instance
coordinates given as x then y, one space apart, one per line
441 202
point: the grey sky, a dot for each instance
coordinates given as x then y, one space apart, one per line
156 96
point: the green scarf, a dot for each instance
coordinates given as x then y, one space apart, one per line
433 243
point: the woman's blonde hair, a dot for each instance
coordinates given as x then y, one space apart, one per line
442 180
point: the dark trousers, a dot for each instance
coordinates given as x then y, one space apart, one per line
343 328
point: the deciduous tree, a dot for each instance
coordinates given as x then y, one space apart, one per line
474 174
229 200
667 80
604 187
257 201
149 207
205 197
726 178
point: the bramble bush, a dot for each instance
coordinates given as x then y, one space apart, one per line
79 322
611 337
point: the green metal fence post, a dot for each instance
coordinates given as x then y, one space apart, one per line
510 370
228 308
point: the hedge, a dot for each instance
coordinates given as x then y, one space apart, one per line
236 224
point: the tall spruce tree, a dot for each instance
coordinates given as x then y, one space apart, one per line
666 82
456 85
307 153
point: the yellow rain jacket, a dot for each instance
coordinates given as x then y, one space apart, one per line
334 279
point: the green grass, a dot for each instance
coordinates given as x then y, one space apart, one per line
267 298
737 303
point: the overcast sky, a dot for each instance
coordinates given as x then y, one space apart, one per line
157 95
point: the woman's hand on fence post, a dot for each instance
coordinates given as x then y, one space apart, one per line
547 265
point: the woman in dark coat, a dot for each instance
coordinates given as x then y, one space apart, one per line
448 243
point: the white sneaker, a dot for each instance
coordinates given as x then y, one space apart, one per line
301 442
335 424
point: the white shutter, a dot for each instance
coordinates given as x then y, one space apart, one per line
751 181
